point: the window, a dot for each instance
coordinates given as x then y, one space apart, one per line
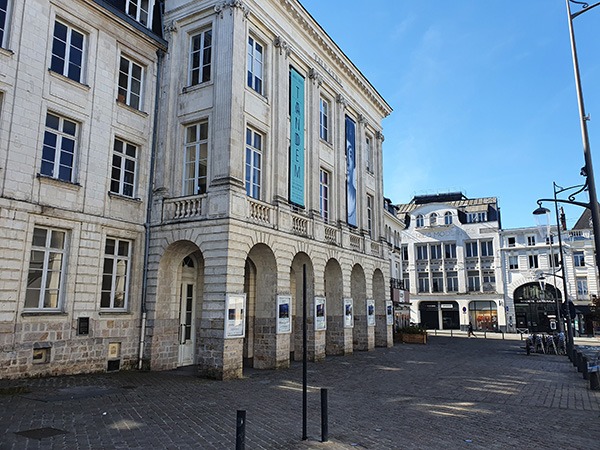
450 251
487 248
324 194
511 241
195 159
4 14
533 261
513 262
531 240
554 260
423 282
436 251
420 221
253 163
582 288
130 83
421 252
437 282
432 219
140 10
67 52
489 281
452 281
474 217
324 119
550 240
578 259
405 252
370 215
255 65
473 283
448 218
369 154
471 249
406 281
115 275
46 269
200 57
58 153
123 168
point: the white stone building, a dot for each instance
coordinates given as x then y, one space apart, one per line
162 211
451 262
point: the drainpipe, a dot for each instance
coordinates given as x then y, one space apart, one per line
160 55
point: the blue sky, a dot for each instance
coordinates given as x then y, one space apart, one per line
483 94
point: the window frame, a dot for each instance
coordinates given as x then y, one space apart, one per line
449 250
201 51
421 252
581 284
433 219
513 262
471 249
370 200
448 218
60 137
114 276
531 240
473 281
70 52
578 258
435 251
369 153
486 248
122 169
419 221
126 94
324 119
139 9
437 282
195 146
324 189
533 261
423 282
254 81
452 281
253 186
5 27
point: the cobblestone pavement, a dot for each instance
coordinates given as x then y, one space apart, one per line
451 393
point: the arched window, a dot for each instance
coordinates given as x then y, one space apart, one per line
448 218
432 219
420 221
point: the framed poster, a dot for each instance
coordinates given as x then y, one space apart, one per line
320 315
370 312
284 314
348 313
389 312
235 320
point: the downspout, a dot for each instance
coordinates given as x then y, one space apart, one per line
160 55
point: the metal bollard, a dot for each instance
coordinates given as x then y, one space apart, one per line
451 333
240 430
324 416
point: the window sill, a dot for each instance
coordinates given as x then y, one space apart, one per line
77 84
58 182
6 52
132 109
196 87
116 312
124 197
260 96
39 312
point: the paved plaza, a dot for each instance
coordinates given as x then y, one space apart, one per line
451 393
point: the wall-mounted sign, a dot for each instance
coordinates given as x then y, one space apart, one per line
235 321
389 312
348 313
284 314
370 312
296 138
320 315
351 172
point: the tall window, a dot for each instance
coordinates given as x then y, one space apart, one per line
4 14
195 159
130 83
369 154
489 281
531 240
253 163
487 248
404 252
200 57
67 52
324 194
578 259
437 282
473 283
123 172
255 65
452 281
140 10
436 251
406 281
46 268
370 215
324 119
582 288
58 153
423 279
433 219
115 275
447 218
533 261
513 262
420 221
471 249
421 252
554 260
450 250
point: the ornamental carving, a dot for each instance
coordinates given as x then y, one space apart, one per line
283 46
314 75
379 135
231 4
342 100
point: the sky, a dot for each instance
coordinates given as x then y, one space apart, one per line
483 93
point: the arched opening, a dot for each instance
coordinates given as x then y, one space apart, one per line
358 291
535 308
301 261
334 338
382 331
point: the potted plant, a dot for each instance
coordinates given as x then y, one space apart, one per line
412 334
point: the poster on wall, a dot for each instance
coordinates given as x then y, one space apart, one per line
296 175
348 313
389 312
320 314
351 172
235 322
284 310
370 312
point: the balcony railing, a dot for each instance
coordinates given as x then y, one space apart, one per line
331 235
183 208
356 243
300 225
260 212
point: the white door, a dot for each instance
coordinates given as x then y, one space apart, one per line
187 332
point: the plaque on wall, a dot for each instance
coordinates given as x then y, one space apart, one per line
320 314
370 312
284 311
235 323
348 313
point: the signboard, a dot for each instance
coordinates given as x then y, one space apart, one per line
320 314
348 313
351 172
389 312
370 312
296 175
235 323
284 313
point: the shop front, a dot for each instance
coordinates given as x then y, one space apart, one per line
440 315
483 315
535 309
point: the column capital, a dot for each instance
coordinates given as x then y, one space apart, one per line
231 5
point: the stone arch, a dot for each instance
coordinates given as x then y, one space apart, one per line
260 287
335 342
358 292
301 260
383 332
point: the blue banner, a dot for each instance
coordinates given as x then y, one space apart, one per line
296 138
351 170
